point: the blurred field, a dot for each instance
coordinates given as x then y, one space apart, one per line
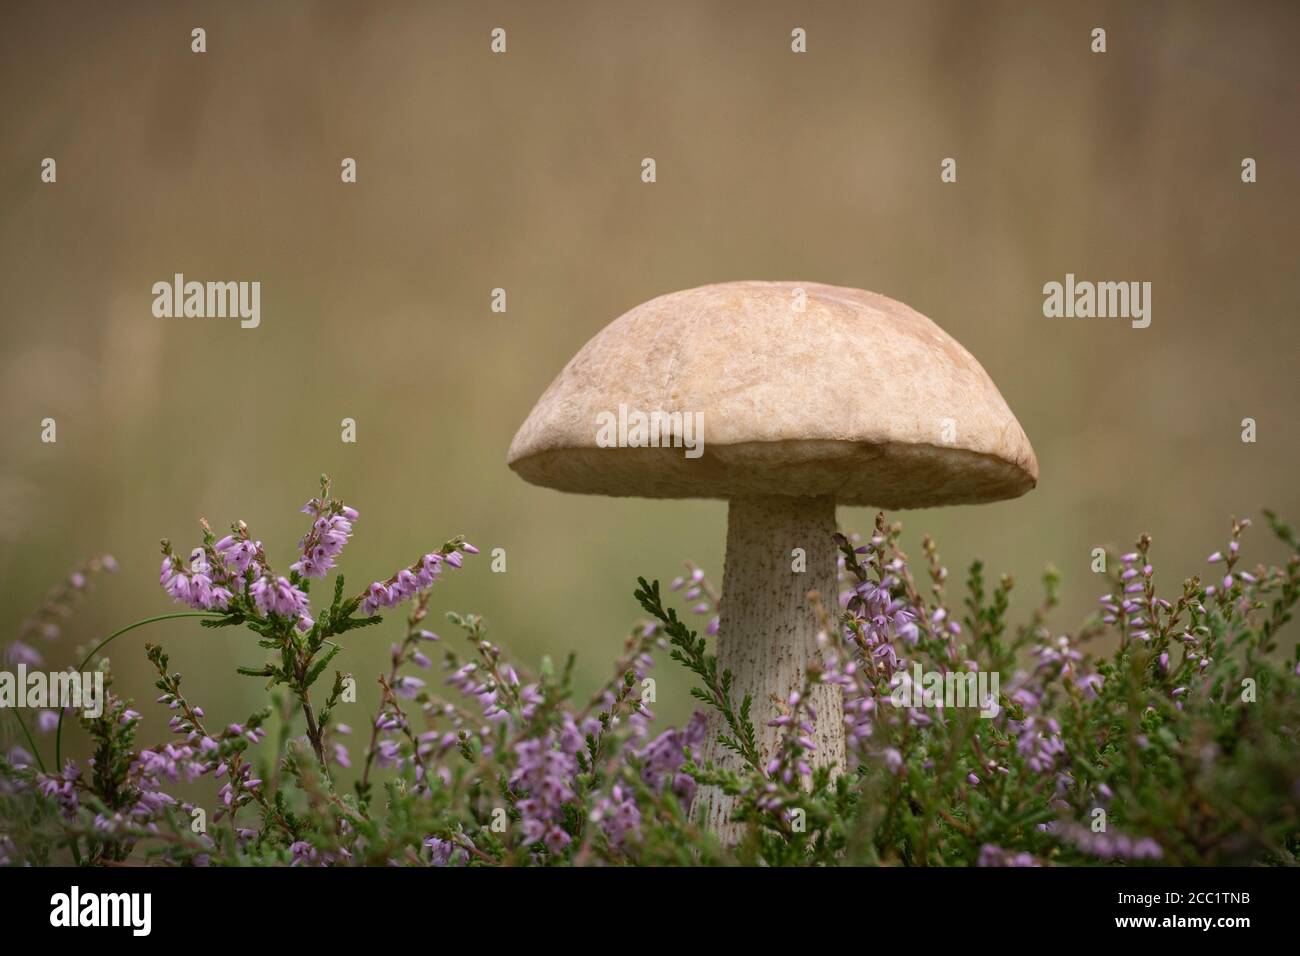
522 171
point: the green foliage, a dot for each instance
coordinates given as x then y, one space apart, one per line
1162 730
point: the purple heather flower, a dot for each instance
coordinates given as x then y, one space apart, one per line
1107 846
618 815
407 686
194 587
406 582
321 546
389 753
19 653
304 854
238 554
544 773
278 597
1146 849
341 756
441 851
663 757
993 855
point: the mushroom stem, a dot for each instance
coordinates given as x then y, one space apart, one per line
768 632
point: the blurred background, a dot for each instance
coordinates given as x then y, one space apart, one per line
522 171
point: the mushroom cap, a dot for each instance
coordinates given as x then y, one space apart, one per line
858 397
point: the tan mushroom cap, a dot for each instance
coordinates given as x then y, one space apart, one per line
848 398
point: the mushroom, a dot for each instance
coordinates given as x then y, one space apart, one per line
811 395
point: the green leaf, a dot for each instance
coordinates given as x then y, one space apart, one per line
320 666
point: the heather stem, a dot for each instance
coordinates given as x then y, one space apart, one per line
314 735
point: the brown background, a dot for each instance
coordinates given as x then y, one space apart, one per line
522 171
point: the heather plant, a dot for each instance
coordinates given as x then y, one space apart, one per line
1176 746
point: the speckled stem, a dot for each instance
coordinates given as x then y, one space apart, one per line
768 630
